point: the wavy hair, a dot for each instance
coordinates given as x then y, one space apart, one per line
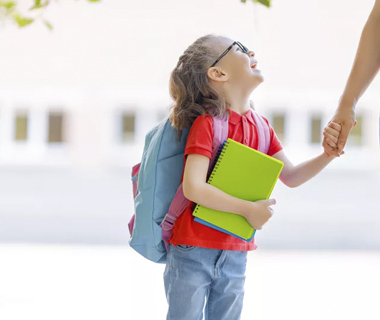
190 87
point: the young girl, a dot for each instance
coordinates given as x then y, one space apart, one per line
215 76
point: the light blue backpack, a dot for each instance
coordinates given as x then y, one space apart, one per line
157 187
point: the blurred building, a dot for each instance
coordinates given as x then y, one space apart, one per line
58 105
85 94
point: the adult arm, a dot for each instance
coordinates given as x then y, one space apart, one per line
364 69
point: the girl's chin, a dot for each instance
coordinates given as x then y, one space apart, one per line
256 82
259 77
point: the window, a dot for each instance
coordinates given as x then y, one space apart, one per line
316 129
128 127
278 124
356 134
21 127
56 134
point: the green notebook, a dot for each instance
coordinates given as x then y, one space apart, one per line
244 173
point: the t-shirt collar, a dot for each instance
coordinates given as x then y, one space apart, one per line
235 117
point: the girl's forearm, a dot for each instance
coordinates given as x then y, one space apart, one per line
367 61
214 198
304 171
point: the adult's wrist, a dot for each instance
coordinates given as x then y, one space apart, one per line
347 103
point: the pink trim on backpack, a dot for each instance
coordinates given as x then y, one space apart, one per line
263 132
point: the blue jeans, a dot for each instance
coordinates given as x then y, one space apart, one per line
195 275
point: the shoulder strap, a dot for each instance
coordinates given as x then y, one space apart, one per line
220 134
179 203
263 132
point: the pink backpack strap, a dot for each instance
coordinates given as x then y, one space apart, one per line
179 203
220 127
263 132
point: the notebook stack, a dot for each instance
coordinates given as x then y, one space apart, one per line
244 173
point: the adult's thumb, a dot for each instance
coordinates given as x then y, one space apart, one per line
343 138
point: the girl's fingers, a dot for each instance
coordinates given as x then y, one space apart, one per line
332 131
331 143
331 137
335 126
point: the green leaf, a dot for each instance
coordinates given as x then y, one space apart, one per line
37 2
39 5
22 21
7 5
93 0
244 1
264 2
48 24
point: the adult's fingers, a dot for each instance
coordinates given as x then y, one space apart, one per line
342 140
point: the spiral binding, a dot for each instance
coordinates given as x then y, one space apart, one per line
218 158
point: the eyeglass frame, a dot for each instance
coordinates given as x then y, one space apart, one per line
241 46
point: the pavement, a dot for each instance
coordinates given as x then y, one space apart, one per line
101 282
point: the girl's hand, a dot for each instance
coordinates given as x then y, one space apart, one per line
331 134
259 213
345 116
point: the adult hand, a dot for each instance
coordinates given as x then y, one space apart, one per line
331 134
345 116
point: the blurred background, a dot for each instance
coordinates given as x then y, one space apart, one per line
78 95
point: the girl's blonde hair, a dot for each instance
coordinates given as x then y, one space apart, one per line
190 87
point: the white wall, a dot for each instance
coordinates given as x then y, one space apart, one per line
114 56
110 56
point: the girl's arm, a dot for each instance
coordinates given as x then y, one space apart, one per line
196 189
294 176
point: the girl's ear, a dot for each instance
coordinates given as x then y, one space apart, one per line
217 74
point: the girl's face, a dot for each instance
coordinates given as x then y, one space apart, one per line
239 66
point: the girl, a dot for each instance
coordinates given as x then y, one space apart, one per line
216 76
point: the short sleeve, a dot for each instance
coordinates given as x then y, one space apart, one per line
275 144
199 140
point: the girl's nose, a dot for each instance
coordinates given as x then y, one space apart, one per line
251 54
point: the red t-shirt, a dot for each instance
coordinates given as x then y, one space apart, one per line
241 128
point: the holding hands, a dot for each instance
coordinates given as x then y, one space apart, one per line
337 131
331 134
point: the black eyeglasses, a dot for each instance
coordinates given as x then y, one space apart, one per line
242 47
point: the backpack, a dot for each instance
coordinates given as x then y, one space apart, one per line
157 187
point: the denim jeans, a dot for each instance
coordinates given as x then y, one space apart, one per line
195 275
